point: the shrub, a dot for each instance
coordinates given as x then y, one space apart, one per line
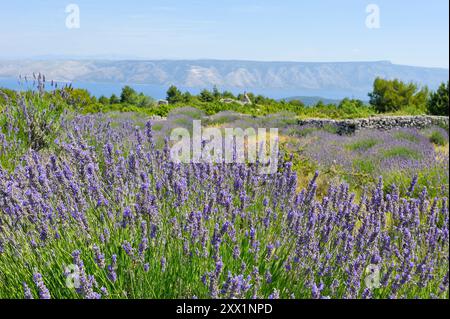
437 138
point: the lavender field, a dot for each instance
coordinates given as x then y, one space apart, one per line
94 208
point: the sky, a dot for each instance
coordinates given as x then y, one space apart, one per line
410 32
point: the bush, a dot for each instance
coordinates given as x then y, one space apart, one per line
437 138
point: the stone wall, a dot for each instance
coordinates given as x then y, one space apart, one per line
379 122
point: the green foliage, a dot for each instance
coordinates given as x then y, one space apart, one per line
348 109
206 96
114 99
332 129
210 103
145 101
297 103
228 94
128 95
362 145
216 93
437 138
364 166
351 106
402 135
174 95
35 120
401 151
103 100
5 96
187 97
95 108
438 102
30 120
395 95
433 178
78 99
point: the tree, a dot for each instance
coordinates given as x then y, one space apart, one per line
395 95
103 100
320 104
438 102
251 96
297 103
216 93
174 95
129 96
350 104
206 96
144 100
187 97
228 94
114 99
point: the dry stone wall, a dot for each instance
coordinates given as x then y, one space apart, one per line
379 122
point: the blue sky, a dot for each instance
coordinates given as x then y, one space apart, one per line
413 32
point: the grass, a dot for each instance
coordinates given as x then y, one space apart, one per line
364 166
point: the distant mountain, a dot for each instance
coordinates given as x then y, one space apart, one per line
333 80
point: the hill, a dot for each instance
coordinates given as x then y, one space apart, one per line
333 80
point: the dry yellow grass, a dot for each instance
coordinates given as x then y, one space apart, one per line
442 152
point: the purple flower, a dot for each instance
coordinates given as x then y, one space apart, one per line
99 257
128 248
27 291
42 289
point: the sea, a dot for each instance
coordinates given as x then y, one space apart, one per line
159 91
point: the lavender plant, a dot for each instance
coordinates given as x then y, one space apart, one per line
31 120
108 215
397 155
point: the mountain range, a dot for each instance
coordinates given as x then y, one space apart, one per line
333 80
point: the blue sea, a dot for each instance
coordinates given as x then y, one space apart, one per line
159 91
